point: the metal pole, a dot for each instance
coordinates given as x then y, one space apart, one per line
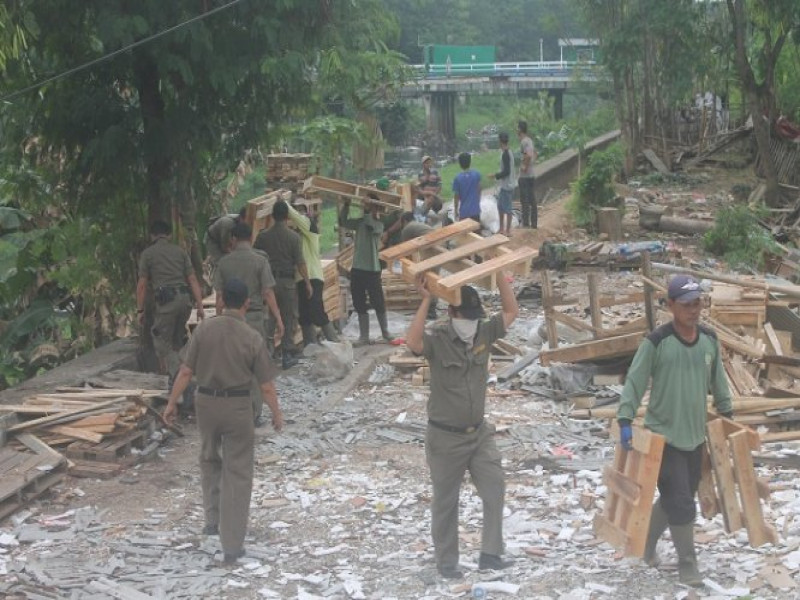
541 50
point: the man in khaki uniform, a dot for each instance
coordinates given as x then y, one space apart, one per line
218 237
253 268
285 252
458 437
167 268
225 354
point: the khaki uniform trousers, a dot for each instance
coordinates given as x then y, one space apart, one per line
226 465
286 297
169 330
449 455
257 319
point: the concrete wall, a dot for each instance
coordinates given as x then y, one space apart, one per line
558 172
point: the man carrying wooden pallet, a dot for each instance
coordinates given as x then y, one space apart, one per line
681 360
458 437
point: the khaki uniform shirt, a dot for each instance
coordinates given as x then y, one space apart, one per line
225 353
458 373
284 249
219 234
251 267
165 264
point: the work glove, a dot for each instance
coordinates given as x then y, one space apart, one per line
626 434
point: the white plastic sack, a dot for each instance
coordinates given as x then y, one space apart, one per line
332 360
490 217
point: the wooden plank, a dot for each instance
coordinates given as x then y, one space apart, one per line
549 312
64 416
572 322
626 488
647 477
353 191
76 433
429 239
487 267
609 532
723 473
594 303
773 340
758 532
412 269
706 491
595 349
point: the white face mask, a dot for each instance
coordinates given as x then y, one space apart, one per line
465 329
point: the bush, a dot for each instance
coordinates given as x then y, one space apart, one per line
595 187
739 238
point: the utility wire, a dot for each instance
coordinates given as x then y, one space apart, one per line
111 55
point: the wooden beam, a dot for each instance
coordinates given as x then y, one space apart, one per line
758 532
594 303
649 310
64 416
431 238
487 267
787 290
461 252
723 473
549 312
353 191
596 349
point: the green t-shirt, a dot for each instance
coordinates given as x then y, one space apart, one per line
681 376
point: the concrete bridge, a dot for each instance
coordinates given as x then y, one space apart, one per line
439 85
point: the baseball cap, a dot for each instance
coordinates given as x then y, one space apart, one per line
426 158
684 288
470 307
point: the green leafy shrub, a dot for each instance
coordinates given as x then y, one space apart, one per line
595 187
738 237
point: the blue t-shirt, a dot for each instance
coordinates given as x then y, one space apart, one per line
467 185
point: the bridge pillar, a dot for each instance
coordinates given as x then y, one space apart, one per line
440 110
558 103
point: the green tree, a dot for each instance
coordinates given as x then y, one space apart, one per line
760 29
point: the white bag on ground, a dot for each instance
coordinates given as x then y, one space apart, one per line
490 216
333 361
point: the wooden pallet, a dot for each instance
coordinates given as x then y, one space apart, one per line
25 475
95 469
112 450
631 482
734 490
259 210
387 201
444 257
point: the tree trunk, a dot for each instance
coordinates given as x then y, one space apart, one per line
758 97
156 155
187 209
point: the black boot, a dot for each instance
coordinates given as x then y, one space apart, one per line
658 524
363 330
309 335
683 538
384 327
287 360
329 331
493 562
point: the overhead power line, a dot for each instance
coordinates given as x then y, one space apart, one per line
111 55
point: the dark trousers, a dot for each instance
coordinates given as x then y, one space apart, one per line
363 283
677 483
311 310
527 199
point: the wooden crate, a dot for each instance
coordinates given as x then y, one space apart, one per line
387 201
285 167
729 484
631 482
445 258
114 449
25 475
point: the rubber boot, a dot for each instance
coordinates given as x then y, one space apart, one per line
658 524
309 335
683 538
384 327
363 330
329 331
287 360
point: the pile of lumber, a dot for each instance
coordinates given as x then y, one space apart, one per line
89 425
331 292
288 168
605 255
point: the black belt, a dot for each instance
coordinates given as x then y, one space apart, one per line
451 429
222 393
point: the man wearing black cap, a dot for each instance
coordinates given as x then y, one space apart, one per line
681 361
458 438
225 354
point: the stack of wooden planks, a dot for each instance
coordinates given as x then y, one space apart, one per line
734 305
89 425
331 292
288 168
398 293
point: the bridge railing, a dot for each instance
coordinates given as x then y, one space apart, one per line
544 68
